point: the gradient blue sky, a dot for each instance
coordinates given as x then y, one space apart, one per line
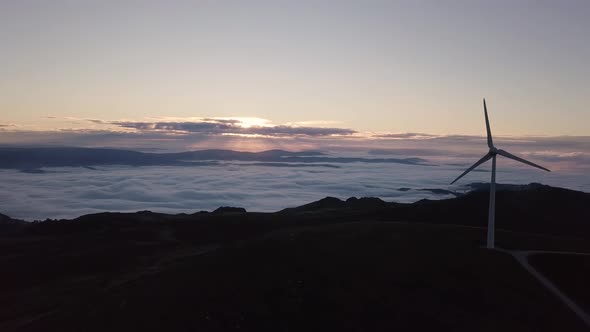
369 66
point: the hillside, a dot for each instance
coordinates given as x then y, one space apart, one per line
359 264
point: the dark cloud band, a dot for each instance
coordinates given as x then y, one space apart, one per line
225 126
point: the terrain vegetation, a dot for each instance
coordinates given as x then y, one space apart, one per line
356 265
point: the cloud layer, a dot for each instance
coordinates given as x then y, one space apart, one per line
211 126
255 134
70 192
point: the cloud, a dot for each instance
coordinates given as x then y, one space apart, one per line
211 126
185 189
239 126
300 131
187 127
406 136
173 189
7 128
568 152
313 123
96 121
549 155
225 121
411 152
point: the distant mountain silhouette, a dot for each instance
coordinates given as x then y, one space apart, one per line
4 218
31 159
10 226
229 209
332 203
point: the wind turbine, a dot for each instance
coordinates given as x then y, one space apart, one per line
492 155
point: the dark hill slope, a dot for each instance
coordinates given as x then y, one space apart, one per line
354 265
542 209
533 209
355 276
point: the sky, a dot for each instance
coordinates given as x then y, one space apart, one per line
354 67
374 79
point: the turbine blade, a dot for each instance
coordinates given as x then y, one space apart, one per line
485 111
479 162
511 156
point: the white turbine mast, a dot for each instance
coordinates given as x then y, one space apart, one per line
492 155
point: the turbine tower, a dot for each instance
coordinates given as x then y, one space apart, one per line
492 155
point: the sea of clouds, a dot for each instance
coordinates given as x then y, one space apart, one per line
68 192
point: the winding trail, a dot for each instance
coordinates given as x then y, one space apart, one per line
522 257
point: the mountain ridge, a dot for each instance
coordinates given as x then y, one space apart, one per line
31 159
536 207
